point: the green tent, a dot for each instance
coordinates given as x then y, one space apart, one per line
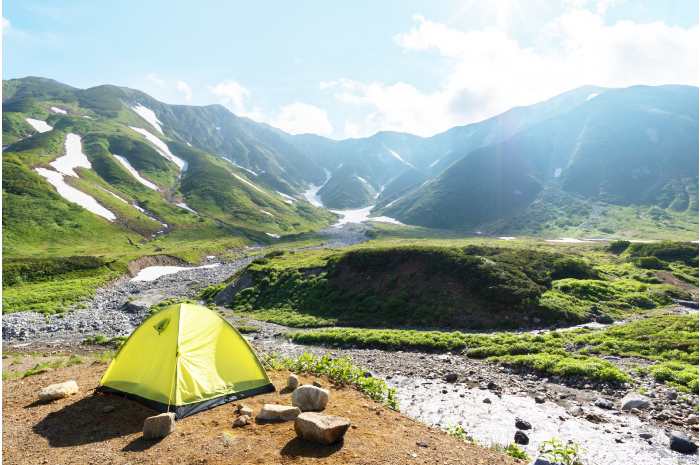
185 359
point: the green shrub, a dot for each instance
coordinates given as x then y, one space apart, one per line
650 263
617 247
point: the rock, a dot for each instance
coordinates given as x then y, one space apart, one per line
487 400
521 438
241 421
245 410
603 403
317 427
691 420
451 377
492 386
292 382
671 395
310 398
522 424
159 426
681 443
634 400
540 399
58 391
576 411
543 461
108 409
646 435
422 444
276 412
317 384
594 418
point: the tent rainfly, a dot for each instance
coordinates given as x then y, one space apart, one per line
185 359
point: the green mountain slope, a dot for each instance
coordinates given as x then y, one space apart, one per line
626 148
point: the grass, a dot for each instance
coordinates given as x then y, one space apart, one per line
43 367
102 340
340 371
669 340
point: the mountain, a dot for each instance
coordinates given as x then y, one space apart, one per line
632 147
86 167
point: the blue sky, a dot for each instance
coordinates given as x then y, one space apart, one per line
347 69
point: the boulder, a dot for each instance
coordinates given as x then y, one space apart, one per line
320 428
603 403
521 438
241 421
691 420
634 400
159 426
58 391
292 382
276 412
539 399
486 400
310 398
682 443
451 377
522 424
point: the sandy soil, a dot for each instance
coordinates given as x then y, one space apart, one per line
77 430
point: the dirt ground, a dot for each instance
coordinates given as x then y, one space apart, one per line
77 430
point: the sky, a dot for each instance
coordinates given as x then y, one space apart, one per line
350 69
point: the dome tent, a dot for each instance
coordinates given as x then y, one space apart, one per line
185 359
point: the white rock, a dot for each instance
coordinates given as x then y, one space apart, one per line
58 391
634 400
317 427
310 398
159 426
275 412
241 421
245 410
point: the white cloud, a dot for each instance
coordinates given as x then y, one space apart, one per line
236 97
186 90
155 79
300 118
491 71
5 25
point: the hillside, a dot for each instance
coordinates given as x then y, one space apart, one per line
632 148
110 169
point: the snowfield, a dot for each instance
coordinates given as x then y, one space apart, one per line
38 125
125 163
152 273
74 157
162 148
60 111
287 198
186 207
149 116
75 196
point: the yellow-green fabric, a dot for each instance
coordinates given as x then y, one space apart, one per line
182 355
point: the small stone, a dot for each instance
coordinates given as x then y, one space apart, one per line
603 403
58 391
317 384
492 386
487 400
451 377
276 412
310 398
422 444
594 418
681 443
521 438
646 435
540 399
245 410
691 420
320 428
671 395
241 421
292 382
634 400
522 424
108 409
159 426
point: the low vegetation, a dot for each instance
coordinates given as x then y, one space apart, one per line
340 371
669 340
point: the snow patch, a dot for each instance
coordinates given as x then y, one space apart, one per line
592 96
59 110
125 163
396 155
557 172
243 180
266 212
274 236
287 198
112 194
568 240
149 116
73 195
162 148
74 157
240 167
507 238
385 219
38 125
151 273
186 207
